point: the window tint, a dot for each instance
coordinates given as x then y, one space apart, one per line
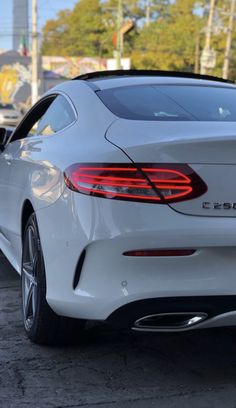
58 116
29 124
172 102
205 103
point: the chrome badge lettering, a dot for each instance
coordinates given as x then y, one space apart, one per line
207 205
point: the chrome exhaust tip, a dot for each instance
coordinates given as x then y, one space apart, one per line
169 321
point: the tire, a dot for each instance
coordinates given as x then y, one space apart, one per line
41 324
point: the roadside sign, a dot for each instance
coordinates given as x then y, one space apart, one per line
208 59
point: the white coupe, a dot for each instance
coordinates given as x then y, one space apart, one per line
118 204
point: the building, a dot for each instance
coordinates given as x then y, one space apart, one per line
20 24
15 74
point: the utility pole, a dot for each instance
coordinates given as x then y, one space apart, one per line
34 57
207 54
148 12
225 72
197 54
119 38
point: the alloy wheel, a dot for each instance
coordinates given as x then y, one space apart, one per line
29 276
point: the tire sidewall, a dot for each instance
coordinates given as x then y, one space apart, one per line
40 274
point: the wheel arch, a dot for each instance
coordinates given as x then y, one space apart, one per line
27 210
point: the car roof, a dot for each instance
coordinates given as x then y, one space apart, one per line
111 79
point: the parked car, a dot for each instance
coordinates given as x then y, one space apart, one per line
9 114
117 204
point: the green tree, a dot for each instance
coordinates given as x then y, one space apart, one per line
88 29
169 42
218 42
82 31
55 34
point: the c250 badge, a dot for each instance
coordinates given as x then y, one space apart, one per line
218 206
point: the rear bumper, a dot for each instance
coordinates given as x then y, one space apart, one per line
107 280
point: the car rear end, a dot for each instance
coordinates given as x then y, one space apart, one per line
160 226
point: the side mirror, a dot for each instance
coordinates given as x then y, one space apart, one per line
3 137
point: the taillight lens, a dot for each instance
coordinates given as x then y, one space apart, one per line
154 183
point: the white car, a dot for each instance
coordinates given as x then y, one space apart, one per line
118 204
9 115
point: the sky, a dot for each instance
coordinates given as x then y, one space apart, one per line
47 9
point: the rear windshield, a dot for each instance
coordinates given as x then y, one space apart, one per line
172 102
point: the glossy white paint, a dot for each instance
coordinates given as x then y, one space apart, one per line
31 169
177 142
107 228
209 148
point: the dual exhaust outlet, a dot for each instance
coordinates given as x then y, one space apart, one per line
169 321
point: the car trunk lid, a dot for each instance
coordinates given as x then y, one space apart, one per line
209 148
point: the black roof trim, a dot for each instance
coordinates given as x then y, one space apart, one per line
133 72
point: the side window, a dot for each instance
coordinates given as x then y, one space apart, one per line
58 116
47 117
28 125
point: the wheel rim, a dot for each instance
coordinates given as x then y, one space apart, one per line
29 276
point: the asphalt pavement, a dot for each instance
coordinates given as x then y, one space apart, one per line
112 369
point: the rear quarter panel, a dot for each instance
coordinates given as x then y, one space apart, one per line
37 163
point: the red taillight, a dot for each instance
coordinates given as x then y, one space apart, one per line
154 183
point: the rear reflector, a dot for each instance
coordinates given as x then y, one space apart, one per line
153 183
160 252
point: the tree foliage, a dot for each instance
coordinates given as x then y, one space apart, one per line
169 41
80 32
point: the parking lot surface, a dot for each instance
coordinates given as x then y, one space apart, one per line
112 369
